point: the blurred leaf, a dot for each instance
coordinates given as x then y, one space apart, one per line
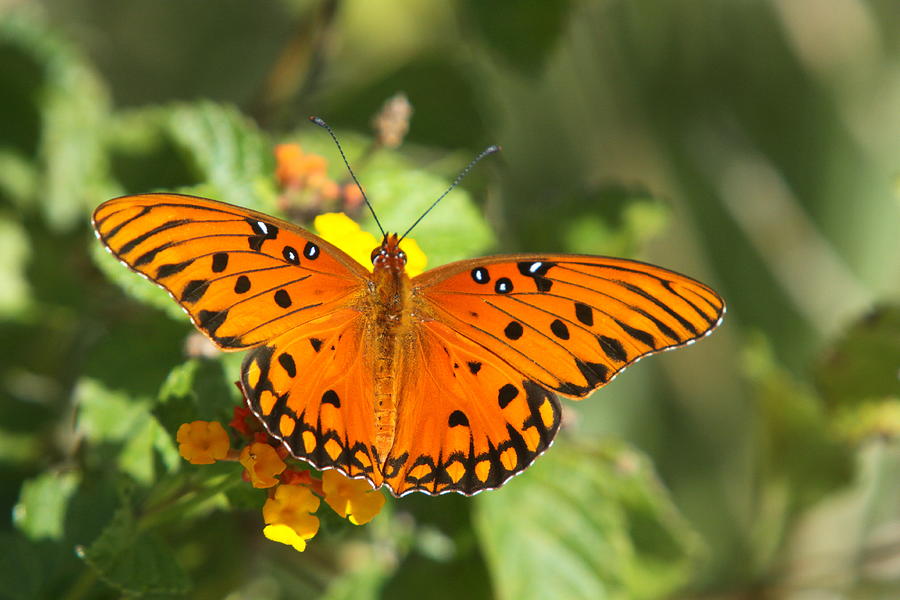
197 389
587 522
41 510
798 446
202 148
22 570
135 285
454 230
612 220
864 363
64 105
522 33
14 251
133 562
18 176
106 416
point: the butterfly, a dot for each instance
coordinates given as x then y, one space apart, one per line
444 382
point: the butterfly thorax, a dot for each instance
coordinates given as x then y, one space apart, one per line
389 331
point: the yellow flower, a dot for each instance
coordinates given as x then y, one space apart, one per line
343 232
262 463
202 442
287 516
351 498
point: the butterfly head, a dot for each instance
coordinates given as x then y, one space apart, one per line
389 255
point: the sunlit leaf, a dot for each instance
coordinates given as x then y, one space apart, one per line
41 510
107 416
585 522
133 562
65 104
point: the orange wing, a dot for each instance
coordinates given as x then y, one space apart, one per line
467 420
567 322
496 334
313 390
242 276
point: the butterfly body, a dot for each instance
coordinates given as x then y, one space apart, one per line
444 382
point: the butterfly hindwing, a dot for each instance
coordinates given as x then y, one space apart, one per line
313 391
242 276
568 322
466 420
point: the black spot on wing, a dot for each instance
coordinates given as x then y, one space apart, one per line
506 394
503 285
219 262
171 269
242 284
458 418
331 397
559 329
311 251
134 242
282 298
316 344
537 270
290 255
514 330
638 334
287 362
480 275
612 348
262 231
584 313
210 320
474 367
194 290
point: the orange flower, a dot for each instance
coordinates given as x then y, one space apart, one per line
262 463
202 442
287 516
351 498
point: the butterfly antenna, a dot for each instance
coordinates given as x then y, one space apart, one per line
318 121
486 152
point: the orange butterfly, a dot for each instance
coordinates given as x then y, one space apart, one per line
443 382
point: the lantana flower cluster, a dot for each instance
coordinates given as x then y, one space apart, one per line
294 494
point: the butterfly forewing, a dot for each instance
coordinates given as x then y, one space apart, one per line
569 323
243 277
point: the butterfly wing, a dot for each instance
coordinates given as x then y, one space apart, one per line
569 323
497 334
467 420
242 276
313 390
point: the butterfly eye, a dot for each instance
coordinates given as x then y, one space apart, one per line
375 254
402 256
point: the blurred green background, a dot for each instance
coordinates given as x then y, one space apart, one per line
752 144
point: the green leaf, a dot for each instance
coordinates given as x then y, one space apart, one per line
454 230
133 562
612 220
862 364
107 416
64 107
797 447
202 148
14 253
41 510
585 522
23 568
